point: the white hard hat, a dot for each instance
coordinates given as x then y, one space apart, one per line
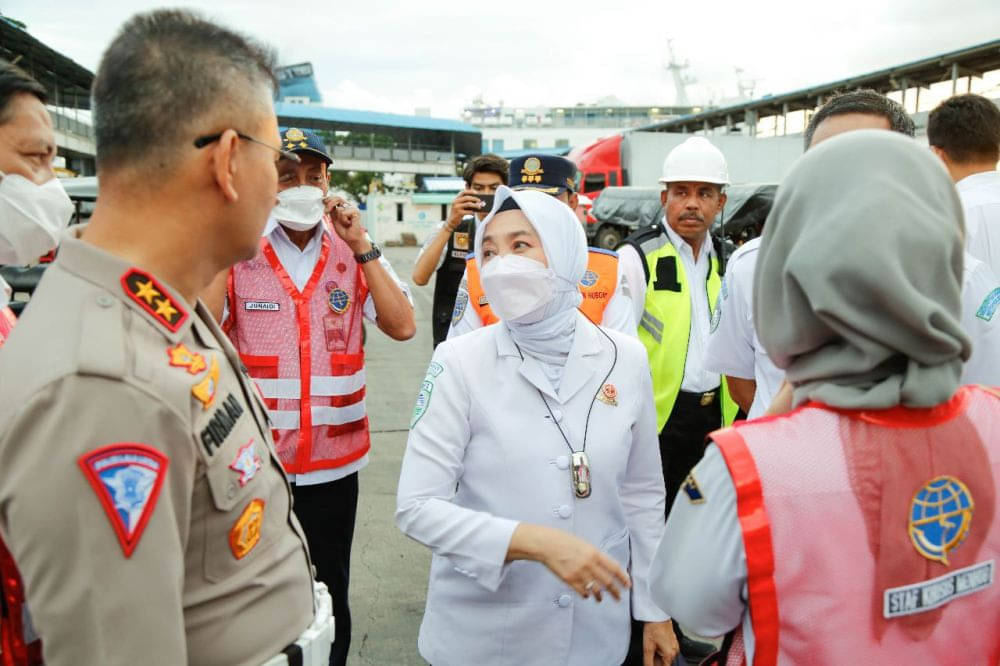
696 160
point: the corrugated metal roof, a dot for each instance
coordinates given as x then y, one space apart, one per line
354 117
514 154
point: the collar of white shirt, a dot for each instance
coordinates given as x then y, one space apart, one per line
684 248
581 364
5 293
978 179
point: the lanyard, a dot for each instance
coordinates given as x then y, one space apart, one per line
580 467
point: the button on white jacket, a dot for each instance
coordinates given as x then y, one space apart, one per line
484 455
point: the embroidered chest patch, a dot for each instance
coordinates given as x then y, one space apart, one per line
339 300
245 533
126 478
940 517
590 278
182 357
246 463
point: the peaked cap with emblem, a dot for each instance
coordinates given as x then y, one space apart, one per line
547 173
301 141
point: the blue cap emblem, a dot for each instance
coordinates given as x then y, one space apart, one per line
589 279
940 517
339 300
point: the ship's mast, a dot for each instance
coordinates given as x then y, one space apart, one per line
681 81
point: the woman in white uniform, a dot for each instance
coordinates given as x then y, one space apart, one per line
532 469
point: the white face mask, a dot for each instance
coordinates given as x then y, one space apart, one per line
518 288
299 208
31 218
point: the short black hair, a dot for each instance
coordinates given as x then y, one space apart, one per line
488 163
15 81
966 128
167 75
863 100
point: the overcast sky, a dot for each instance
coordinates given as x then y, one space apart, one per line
397 56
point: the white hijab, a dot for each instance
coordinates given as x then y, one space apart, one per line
549 339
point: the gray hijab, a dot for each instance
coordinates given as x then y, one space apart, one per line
857 292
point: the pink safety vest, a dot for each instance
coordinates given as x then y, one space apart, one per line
7 321
810 515
304 351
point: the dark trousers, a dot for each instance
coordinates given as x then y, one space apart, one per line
682 440
682 444
327 512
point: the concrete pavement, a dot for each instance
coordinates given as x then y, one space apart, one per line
388 570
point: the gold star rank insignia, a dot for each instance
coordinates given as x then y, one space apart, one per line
154 299
146 291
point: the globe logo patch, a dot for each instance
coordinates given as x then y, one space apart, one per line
589 279
339 300
940 517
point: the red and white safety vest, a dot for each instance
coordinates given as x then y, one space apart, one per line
17 648
304 351
848 563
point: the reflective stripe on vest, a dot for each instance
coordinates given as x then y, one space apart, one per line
667 299
304 352
597 287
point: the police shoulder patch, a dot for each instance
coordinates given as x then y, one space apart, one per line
126 478
692 490
989 305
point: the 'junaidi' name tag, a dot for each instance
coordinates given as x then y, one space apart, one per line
261 305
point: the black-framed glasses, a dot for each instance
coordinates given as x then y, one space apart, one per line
203 141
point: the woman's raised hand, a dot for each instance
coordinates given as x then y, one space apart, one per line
582 566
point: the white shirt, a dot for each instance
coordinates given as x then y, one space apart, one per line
981 321
5 293
980 195
733 347
697 379
299 264
483 456
699 572
618 314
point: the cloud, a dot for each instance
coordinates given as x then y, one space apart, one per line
395 56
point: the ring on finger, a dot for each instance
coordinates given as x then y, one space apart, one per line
590 586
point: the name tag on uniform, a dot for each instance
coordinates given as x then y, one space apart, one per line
459 254
261 305
934 593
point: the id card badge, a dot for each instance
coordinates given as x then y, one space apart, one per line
580 469
335 332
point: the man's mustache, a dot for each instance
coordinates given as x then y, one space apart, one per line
693 216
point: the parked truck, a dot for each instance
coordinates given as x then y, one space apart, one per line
635 158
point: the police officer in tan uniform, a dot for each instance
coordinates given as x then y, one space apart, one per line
141 495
